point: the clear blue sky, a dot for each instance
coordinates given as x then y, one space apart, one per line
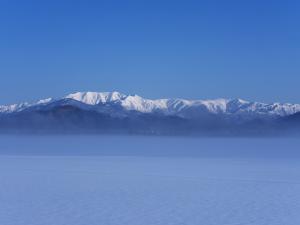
191 49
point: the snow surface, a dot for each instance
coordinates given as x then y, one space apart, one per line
82 180
180 107
22 106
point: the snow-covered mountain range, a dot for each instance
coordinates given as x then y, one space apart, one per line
113 112
118 104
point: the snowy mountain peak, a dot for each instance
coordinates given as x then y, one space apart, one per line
45 101
238 101
95 98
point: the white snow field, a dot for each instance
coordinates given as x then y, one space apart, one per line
101 180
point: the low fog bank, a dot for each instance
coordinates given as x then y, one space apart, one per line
120 145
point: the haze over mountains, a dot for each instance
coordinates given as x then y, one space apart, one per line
107 112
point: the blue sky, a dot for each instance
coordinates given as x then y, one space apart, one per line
190 49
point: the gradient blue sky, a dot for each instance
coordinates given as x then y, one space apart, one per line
191 49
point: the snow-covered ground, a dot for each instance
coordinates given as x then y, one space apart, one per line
77 180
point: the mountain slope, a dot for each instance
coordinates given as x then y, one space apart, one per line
291 122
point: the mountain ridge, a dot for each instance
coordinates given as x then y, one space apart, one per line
113 112
177 106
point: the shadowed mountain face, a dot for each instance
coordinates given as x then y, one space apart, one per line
291 123
71 119
67 118
293 119
118 113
